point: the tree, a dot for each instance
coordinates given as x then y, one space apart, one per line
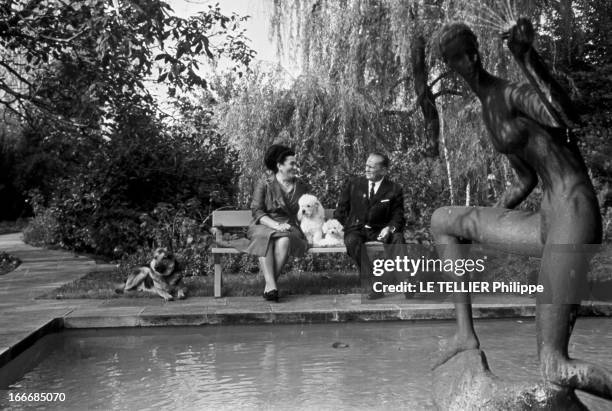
111 46
385 52
75 74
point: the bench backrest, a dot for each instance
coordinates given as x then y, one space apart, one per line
242 218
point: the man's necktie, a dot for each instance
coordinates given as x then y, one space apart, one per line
371 190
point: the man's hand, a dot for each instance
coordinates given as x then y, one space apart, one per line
520 37
384 233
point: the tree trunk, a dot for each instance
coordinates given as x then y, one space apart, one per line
425 98
448 166
567 19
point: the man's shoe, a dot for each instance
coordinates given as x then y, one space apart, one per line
373 295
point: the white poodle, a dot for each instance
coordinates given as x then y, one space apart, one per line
311 216
334 234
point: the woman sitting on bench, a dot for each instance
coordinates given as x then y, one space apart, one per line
274 233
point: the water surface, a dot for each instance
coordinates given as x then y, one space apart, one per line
324 366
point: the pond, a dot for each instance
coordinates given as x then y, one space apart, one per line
312 366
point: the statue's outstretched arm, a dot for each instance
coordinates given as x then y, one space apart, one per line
527 180
554 99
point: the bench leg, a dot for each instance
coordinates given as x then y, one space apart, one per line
218 275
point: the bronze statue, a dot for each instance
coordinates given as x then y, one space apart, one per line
529 123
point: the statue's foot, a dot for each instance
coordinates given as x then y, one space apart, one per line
467 383
575 374
452 346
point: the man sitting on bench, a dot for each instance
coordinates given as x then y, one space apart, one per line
371 208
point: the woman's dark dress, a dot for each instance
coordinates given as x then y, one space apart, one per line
270 200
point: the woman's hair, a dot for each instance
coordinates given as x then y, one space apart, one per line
276 154
452 31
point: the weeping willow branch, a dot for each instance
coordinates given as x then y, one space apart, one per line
446 160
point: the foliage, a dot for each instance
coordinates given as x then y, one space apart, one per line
73 73
423 182
182 229
8 263
356 97
115 201
120 179
362 48
43 229
332 132
112 46
45 153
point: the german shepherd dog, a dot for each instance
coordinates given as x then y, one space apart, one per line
163 276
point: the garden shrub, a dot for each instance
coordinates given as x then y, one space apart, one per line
8 263
118 200
43 229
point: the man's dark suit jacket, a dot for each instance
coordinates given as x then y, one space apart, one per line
355 210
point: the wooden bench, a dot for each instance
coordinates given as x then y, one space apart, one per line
242 218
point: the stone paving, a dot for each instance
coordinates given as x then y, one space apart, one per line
23 318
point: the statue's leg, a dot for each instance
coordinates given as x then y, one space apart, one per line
465 338
502 229
563 275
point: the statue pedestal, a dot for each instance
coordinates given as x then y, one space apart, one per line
465 382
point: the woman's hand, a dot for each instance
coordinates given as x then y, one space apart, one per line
282 227
520 37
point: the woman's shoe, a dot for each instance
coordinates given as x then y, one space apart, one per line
271 295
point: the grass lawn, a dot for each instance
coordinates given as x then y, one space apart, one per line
8 263
102 284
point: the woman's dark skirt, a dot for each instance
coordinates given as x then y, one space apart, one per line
260 237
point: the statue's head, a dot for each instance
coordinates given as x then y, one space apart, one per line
459 48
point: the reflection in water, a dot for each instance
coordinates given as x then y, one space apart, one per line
385 366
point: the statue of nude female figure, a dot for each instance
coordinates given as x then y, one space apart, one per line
533 132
